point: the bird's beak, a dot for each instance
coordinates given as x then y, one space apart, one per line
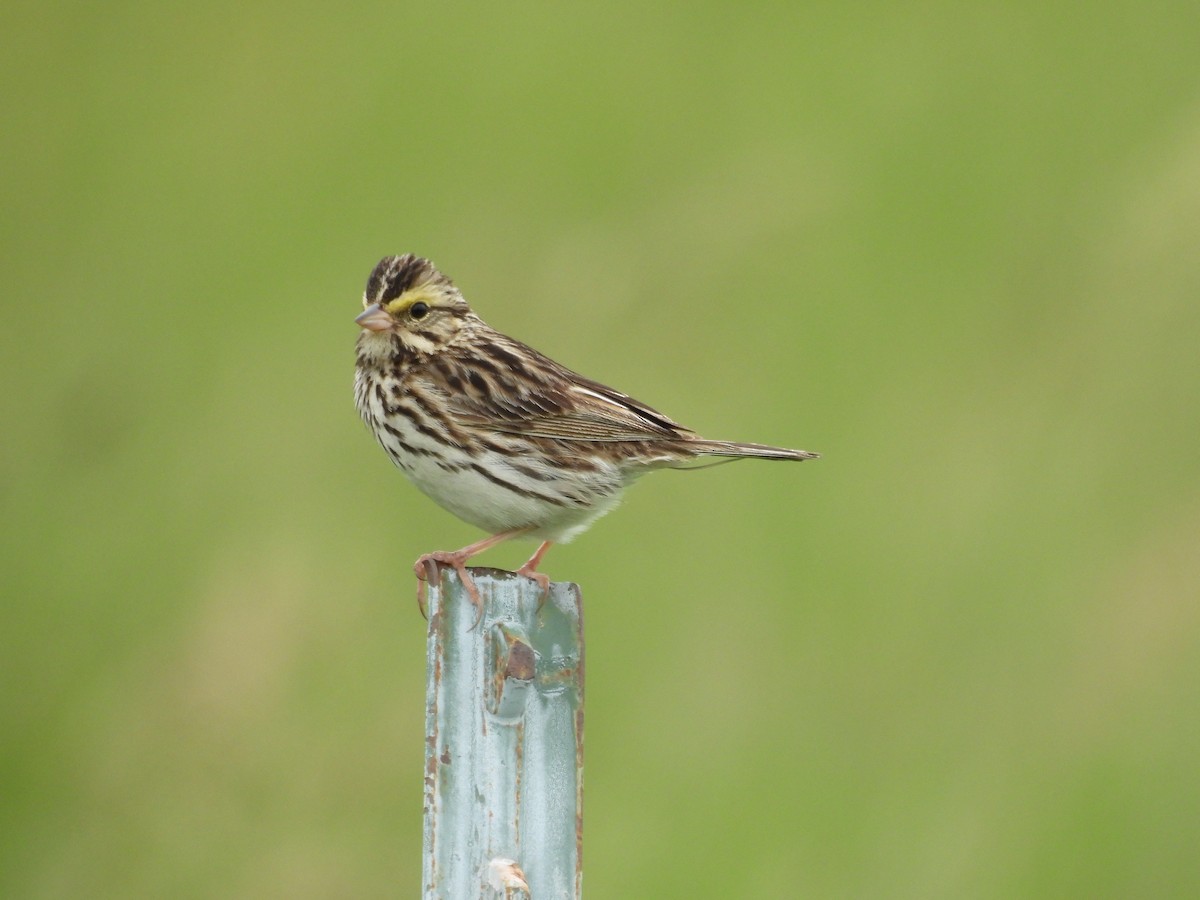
374 319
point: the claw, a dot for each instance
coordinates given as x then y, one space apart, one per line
541 578
425 574
529 570
426 569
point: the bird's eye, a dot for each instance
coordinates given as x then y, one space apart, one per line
419 310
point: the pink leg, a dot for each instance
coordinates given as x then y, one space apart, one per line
427 567
529 570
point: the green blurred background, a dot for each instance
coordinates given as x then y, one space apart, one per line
954 250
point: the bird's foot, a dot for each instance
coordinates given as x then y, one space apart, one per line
529 570
541 578
427 570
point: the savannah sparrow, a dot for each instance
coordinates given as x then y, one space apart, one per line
493 431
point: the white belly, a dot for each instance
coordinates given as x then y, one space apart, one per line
495 491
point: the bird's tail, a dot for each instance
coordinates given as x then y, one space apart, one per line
735 450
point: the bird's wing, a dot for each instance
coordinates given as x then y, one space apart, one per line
520 391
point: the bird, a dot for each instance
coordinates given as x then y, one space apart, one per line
498 434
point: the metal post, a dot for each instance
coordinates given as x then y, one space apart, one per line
503 740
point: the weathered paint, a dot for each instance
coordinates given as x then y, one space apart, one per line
504 739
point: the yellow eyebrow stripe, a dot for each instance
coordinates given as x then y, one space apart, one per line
408 298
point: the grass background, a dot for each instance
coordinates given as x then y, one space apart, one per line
953 249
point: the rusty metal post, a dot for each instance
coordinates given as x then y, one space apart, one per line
503 740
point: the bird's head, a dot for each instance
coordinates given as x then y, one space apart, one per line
408 300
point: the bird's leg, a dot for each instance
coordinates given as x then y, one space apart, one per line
529 570
426 568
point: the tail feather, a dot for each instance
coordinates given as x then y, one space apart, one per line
736 450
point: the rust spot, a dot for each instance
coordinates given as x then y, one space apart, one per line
446 757
521 663
430 767
513 669
518 772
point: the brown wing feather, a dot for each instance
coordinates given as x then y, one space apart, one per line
519 391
